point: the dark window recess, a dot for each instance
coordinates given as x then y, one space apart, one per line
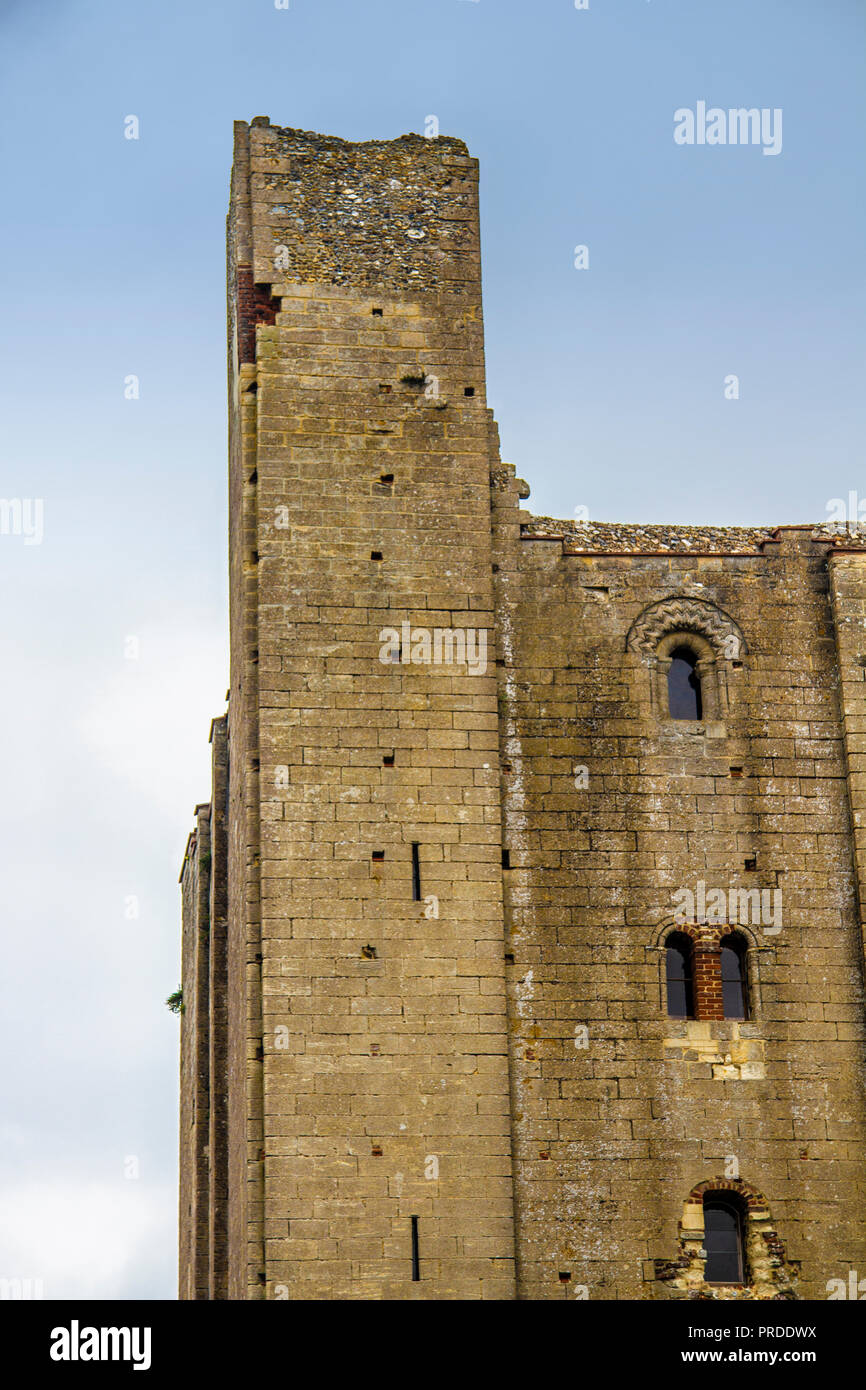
680 976
377 313
387 479
736 772
416 1255
388 760
723 1239
378 855
750 865
375 554
506 859
684 686
416 874
469 390
735 1003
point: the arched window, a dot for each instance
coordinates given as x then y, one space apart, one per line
735 995
684 685
680 981
723 1239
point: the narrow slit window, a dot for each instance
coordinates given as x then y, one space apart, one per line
416 1254
680 976
684 685
416 874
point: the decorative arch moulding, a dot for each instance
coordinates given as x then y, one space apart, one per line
685 615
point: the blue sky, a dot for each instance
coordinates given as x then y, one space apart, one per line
608 385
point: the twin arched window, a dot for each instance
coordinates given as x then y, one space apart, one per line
726 963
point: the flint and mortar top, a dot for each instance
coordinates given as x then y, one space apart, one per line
626 538
399 214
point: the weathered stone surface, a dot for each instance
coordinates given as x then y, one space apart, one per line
425 916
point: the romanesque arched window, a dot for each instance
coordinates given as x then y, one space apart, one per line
724 1238
735 992
684 685
691 648
680 975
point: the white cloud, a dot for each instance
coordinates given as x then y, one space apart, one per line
85 1241
146 724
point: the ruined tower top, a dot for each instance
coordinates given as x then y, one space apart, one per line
310 208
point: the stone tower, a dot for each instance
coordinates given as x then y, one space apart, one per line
364 966
428 1049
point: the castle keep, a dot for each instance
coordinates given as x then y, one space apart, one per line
523 947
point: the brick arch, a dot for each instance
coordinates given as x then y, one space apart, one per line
682 614
751 1197
710 936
